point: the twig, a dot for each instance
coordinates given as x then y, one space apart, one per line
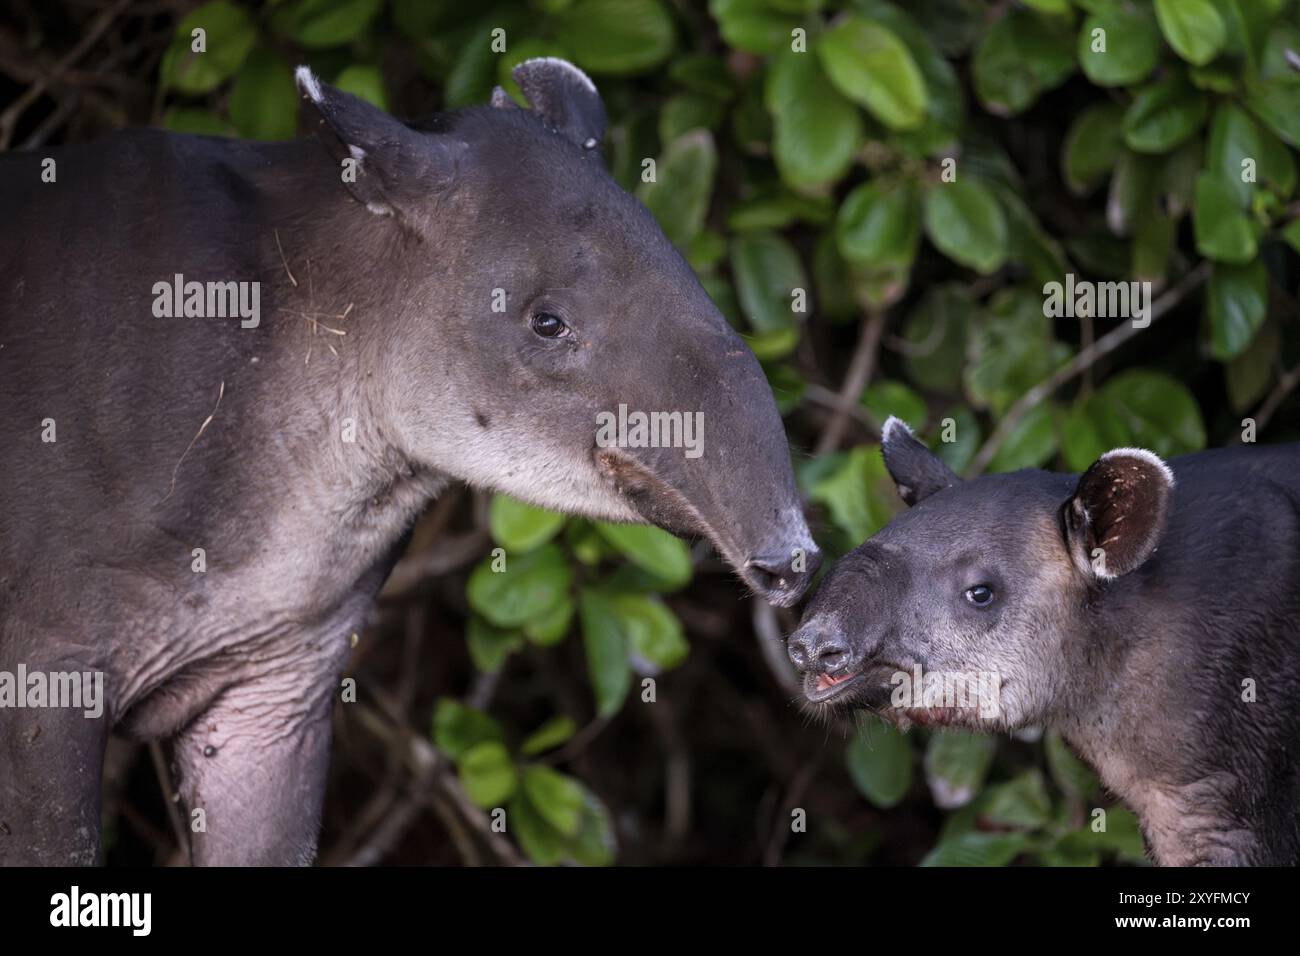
9 118
861 367
169 797
1285 384
1085 359
772 645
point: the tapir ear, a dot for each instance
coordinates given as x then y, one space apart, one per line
563 96
1115 518
385 153
917 471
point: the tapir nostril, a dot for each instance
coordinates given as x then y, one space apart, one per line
783 578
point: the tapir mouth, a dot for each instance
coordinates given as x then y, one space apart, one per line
862 687
664 506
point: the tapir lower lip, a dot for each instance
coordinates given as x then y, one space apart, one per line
822 695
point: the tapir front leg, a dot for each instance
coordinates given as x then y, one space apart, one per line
252 767
51 760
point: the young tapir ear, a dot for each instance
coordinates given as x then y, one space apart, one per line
917 471
563 96
386 154
1117 514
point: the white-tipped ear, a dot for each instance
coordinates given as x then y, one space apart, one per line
564 97
917 471
308 84
1116 516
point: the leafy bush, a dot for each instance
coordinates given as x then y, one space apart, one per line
898 183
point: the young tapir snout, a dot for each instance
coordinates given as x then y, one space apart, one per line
232 373
1149 613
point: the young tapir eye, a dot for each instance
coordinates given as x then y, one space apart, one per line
981 595
549 326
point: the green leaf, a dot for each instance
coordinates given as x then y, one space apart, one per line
1020 57
891 397
532 584
488 774
935 333
1236 304
365 82
595 844
956 763
879 761
687 111
1022 802
557 798
607 652
753 25
1071 775
965 223
318 24
878 225
1031 443
1144 408
1092 146
616 36
264 100
1223 231
1122 835
652 549
964 437
679 196
1125 50
1193 28
552 626
1238 143
1011 351
977 849
229 37
1249 375
519 527
1163 115
457 728
541 842
194 122
872 66
815 131
858 492
1277 103
552 734
766 270
653 631
489 646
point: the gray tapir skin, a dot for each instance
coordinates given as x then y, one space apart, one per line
1125 609
175 434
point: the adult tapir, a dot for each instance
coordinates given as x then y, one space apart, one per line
455 299
1149 613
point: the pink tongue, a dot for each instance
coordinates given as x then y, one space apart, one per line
825 680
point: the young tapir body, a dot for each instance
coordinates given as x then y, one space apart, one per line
497 291
1150 615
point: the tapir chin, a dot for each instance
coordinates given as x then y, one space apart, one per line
1149 613
231 375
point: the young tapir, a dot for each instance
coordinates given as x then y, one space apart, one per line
1149 614
203 508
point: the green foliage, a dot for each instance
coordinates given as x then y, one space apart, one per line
937 161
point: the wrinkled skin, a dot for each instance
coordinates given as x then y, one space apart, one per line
1123 609
295 457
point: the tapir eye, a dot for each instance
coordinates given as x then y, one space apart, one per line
549 326
981 595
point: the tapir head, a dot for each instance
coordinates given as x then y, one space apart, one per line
957 611
549 341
